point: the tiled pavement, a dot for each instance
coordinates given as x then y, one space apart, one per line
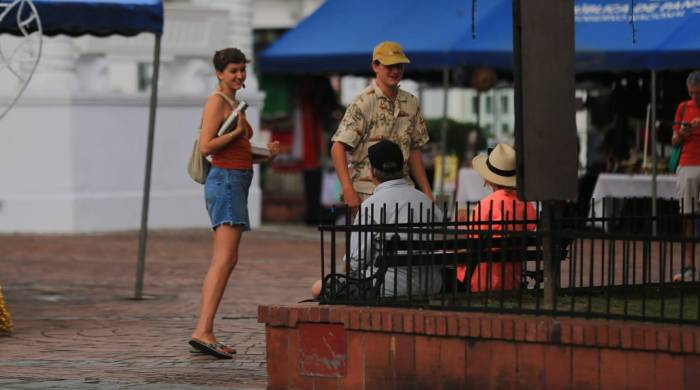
76 326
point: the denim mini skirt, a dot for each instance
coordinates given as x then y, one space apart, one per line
226 196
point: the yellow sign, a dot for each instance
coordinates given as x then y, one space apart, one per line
447 183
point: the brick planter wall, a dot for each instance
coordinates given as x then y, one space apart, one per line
344 347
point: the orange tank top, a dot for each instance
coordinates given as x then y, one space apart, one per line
237 154
690 154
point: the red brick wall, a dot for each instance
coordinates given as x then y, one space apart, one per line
342 347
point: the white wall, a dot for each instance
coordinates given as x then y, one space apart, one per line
77 165
72 151
460 107
281 14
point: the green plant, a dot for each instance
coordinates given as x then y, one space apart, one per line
457 133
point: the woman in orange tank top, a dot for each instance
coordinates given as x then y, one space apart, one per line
226 192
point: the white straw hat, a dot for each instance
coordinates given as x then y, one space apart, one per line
498 166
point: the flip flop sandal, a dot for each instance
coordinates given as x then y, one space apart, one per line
220 346
210 349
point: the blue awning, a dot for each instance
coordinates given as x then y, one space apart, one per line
667 35
93 17
340 35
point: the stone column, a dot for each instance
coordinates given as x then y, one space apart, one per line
241 18
93 74
55 74
10 64
190 76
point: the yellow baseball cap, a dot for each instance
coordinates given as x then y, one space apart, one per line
389 53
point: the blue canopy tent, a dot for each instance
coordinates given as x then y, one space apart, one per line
438 34
99 18
90 17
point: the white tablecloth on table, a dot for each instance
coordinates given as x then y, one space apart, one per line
614 185
470 187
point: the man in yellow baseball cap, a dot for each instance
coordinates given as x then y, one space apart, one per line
381 111
387 63
389 53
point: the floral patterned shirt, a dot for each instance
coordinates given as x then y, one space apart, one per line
372 117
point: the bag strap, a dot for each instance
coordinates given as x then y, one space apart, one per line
228 99
685 104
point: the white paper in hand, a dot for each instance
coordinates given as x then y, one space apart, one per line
230 122
259 151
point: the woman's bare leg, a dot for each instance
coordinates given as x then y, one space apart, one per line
224 259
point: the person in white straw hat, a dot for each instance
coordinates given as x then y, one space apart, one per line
498 166
500 210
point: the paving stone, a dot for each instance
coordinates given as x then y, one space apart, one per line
76 326
9 381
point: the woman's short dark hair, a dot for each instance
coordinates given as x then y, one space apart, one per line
227 56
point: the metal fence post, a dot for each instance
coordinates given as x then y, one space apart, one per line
551 214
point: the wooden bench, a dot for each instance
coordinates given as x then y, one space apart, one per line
449 252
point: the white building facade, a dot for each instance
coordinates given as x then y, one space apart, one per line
72 150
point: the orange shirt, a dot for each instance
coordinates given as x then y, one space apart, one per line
690 155
237 154
499 208
503 205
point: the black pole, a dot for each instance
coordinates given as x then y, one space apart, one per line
654 158
141 263
545 137
517 96
443 129
551 215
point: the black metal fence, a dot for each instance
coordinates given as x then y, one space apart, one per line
620 264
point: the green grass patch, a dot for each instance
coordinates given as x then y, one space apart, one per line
671 304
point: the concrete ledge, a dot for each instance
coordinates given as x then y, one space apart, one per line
408 348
